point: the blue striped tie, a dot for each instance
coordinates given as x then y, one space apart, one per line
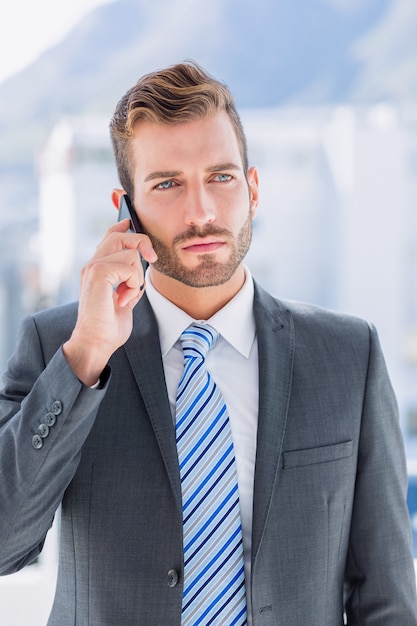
214 580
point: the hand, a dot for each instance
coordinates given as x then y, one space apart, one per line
111 286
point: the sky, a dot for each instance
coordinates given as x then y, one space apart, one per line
28 27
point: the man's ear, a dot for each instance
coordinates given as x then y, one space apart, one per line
252 177
115 197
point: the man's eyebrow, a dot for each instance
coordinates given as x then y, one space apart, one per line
223 166
162 174
220 167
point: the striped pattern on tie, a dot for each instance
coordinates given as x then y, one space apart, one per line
214 583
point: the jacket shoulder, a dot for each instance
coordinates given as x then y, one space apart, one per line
52 326
312 318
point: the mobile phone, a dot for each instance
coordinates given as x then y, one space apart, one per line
126 210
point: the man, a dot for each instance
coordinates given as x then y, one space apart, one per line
91 416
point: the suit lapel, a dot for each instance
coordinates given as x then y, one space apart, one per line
275 334
144 354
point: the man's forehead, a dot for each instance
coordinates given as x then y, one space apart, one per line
211 140
219 118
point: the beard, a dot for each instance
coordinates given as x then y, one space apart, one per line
209 272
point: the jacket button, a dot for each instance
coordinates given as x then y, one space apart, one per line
43 430
56 408
172 578
50 419
37 442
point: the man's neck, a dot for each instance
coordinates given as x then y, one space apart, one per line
200 303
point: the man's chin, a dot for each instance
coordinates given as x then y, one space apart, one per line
207 274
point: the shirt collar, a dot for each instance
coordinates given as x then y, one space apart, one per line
235 321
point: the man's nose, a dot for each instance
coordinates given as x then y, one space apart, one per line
199 206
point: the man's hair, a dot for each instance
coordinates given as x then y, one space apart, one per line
180 93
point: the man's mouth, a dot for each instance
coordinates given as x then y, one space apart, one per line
203 246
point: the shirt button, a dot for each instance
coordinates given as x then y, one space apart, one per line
50 419
172 578
37 442
56 408
43 430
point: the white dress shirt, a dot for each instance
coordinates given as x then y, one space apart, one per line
233 363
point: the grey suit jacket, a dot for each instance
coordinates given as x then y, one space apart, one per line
330 520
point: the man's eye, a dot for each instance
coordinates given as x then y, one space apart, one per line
223 178
166 184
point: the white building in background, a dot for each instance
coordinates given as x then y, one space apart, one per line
338 222
76 176
337 226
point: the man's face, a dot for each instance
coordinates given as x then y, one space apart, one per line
193 198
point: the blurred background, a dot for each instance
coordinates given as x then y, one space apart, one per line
327 91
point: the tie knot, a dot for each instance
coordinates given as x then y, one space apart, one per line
197 340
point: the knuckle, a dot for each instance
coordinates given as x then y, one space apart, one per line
92 267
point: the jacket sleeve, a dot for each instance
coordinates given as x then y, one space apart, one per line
46 414
381 588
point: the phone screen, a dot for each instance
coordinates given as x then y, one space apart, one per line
126 210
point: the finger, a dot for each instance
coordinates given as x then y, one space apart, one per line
140 241
127 268
130 288
119 227
127 296
117 237
121 240
146 249
121 266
